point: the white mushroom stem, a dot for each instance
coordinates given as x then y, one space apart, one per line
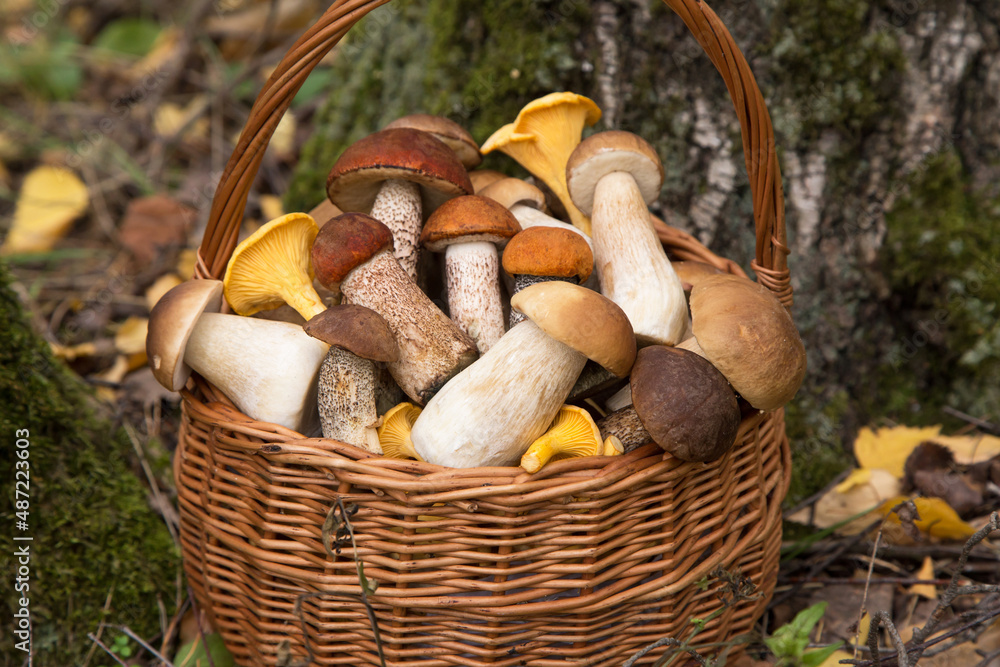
473 274
347 400
397 206
532 217
490 413
620 399
633 269
268 369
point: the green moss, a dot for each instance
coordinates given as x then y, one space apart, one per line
816 430
834 71
95 538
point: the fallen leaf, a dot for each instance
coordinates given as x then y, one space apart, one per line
51 198
153 225
164 50
948 486
833 660
970 449
937 520
131 336
271 206
888 448
161 286
860 493
282 144
170 119
142 387
928 591
186 262
115 374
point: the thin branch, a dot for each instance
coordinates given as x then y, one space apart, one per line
882 619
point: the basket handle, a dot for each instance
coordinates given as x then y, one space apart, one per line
226 216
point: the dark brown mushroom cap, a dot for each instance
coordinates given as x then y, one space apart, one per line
171 322
359 330
468 219
344 243
453 135
400 153
549 251
606 152
684 403
747 334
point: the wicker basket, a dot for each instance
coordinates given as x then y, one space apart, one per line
583 563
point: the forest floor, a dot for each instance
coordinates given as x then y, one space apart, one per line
114 129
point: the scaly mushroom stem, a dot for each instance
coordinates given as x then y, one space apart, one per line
474 301
625 425
347 400
523 280
490 413
628 254
398 207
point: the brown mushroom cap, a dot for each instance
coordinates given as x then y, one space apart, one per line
345 242
586 321
549 251
467 219
513 191
482 178
400 153
748 335
359 330
606 152
453 135
171 322
684 403
691 272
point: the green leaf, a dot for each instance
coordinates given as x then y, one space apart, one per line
816 658
130 36
791 639
196 653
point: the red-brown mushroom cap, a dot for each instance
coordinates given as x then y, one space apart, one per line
344 243
468 219
399 153
456 137
359 330
549 251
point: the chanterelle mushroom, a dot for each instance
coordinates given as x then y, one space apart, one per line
573 434
357 337
397 176
542 137
271 268
467 229
612 176
353 252
490 413
743 329
681 403
453 135
543 253
268 369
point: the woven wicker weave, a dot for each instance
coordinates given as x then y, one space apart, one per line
583 563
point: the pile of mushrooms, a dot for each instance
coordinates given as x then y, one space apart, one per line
563 328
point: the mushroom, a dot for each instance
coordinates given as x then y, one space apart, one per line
353 253
268 369
447 131
271 268
481 178
681 402
613 176
394 433
540 254
572 434
467 229
397 176
527 203
691 272
541 139
491 412
744 331
357 337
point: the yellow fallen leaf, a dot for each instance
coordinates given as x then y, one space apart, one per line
164 50
71 352
969 449
282 144
833 660
937 519
170 118
928 591
888 448
186 262
858 494
115 374
161 286
131 336
271 206
51 199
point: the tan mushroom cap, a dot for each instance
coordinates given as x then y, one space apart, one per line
359 330
750 337
453 135
691 272
513 191
467 219
586 321
346 242
549 251
399 153
482 178
607 152
171 322
684 403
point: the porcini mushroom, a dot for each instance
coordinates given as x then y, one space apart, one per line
271 268
573 433
268 369
353 253
491 412
397 176
358 338
613 176
467 229
680 402
482 178
394 433
745 331
539 254
527 203
541 139
450 133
